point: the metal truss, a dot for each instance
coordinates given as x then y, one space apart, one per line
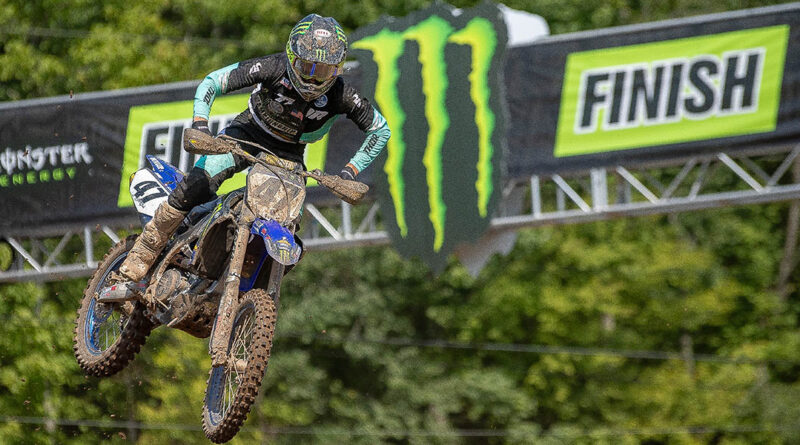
720 180
713 181
73 255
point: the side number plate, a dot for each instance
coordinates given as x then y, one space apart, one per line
147 192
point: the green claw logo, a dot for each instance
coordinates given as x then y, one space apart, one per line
437 79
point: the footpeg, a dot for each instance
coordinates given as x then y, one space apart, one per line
117 293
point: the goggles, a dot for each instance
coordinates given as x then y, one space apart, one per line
315 71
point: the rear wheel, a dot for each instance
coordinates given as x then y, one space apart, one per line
107 338
232 388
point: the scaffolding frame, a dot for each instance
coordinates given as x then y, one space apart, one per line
583 196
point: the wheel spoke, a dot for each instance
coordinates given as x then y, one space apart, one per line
107 324
104 328
109 330
226 399
244 339
239 353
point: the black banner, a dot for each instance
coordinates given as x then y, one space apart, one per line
648 93
61 158
655 92
66 161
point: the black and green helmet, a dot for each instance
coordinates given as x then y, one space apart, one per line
316 50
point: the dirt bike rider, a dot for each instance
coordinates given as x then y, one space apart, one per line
298 96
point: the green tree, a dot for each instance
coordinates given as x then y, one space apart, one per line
657 330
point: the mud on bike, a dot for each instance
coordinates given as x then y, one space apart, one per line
219 277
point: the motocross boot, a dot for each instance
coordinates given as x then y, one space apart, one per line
149 244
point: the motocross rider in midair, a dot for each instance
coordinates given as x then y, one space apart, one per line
298 95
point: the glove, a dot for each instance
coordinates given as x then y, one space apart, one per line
202 125
349 172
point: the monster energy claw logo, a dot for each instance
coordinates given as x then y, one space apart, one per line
436 80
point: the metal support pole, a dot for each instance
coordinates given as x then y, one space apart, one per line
347 227
87 243
599 189
536 197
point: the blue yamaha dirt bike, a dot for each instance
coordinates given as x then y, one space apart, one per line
218 277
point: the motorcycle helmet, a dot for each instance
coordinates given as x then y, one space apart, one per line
315 54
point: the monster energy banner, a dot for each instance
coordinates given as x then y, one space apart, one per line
66 161
466 112
662 91
437 77
60 158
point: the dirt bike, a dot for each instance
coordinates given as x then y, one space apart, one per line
218 277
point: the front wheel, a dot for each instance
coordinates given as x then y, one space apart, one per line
106 339
232 388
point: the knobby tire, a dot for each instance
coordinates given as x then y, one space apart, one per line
219 426
134 332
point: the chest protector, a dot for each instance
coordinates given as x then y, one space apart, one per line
280 111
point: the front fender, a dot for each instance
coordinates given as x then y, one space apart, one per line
279 241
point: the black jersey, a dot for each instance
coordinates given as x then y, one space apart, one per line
287 120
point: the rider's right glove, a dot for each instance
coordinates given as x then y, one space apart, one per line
349 172
202 125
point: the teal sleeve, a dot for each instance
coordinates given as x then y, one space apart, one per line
377 136
215 84
314 136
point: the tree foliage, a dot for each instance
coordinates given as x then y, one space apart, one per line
654 330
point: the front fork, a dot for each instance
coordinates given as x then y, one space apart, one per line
218 346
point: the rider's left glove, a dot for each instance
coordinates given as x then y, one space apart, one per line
349 172
202 125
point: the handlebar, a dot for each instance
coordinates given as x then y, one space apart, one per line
198 142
